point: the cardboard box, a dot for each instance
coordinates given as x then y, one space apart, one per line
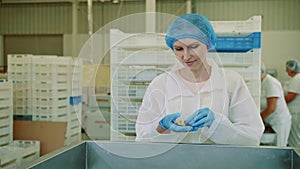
50 134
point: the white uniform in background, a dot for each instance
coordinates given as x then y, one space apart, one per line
294 107
237 119
280 119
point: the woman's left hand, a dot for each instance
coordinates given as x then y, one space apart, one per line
201 118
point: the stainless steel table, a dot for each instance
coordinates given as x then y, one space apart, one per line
123 155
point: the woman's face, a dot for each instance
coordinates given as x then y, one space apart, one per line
190 52
289 72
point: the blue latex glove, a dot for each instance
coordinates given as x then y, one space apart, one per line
201 118
168 123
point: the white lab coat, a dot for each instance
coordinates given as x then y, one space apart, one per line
237 119
280 119
294 106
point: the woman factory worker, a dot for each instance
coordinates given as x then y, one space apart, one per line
293 101
215 106
274 110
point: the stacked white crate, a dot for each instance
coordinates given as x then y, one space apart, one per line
74 124
139 58
19 153
27 151
19 72
44 87
6 113
8 158
15 94
135 60
56 94
247 64
50 88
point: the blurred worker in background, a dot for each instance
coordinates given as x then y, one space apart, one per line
274 111
292 99
214 105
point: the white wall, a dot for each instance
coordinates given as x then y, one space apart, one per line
278 47
95 47
67 43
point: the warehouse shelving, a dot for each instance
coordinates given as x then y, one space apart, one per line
137 58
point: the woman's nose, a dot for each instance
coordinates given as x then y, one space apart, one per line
186 54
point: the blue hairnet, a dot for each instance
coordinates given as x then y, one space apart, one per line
293 65
194 26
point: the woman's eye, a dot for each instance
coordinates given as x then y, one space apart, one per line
178 49
195 46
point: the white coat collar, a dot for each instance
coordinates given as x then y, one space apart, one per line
176 87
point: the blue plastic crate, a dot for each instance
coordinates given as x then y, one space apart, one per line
238 43
75 100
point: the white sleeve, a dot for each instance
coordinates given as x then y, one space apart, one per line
273 90
243 126
294 86
151 110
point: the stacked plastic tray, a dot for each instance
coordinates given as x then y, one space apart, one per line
247 64
57 92
239 49
137 58
19 72
135 61
19 153
73 133
53 90
6 113
75 101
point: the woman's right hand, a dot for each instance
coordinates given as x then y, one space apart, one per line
201 118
